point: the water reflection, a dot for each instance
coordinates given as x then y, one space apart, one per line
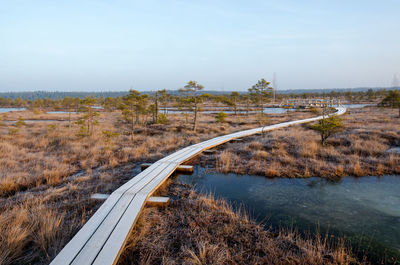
352 207
3 110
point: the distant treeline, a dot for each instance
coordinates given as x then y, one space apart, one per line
34 95
180 98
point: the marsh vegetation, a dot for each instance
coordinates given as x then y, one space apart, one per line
198 229
51 166
362 148
49 171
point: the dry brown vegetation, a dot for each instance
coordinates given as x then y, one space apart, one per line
360 149
197 229
47 172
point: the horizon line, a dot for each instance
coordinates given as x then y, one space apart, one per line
214 90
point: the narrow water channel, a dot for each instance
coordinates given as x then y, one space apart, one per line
4 110
365 211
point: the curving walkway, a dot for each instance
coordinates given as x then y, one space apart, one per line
102 238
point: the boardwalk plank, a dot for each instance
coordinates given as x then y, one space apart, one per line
112 248
71 250
92 248
156 182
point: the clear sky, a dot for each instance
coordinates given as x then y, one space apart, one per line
223 44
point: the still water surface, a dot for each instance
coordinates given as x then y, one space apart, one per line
3 110
364 210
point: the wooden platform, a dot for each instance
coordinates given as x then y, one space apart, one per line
102 238
158 201
99 196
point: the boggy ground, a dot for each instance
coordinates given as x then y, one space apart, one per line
360 149
47 172
197 229
45 153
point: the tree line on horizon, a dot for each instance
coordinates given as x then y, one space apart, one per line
45 100
136 108
144 108
34 95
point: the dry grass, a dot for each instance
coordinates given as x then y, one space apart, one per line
38 222
38 154
359 150
196 229
43 203
226 162
42 154
30 232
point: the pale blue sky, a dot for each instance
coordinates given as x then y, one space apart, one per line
147 45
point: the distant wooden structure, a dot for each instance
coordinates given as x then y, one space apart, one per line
310 103
102 239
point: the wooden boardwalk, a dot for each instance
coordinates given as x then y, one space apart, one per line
102 239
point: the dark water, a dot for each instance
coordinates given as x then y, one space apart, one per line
365 211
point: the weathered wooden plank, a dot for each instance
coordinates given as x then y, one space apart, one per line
185 169
116 241
71 250
162 171
188 155
147 174
99 196
157 201
180 168
82 237
138 178
216 142
91 249
166 170
176 154
157 181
